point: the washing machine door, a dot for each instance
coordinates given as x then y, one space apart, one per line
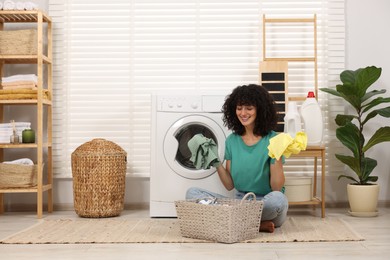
176 151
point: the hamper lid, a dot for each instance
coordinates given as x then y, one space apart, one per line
99 146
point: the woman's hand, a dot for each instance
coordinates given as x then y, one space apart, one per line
277 175
225 177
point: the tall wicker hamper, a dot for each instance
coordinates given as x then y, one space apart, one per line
228 221
99 172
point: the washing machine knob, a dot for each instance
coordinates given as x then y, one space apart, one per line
179 105
194 105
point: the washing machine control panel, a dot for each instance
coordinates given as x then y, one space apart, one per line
179 103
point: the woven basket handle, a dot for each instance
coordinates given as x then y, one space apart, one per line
247 195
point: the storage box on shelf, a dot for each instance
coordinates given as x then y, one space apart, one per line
17 176
37 53
26 39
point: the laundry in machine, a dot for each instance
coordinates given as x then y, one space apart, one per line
177 117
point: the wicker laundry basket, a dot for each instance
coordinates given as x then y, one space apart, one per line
228 221
99 172
17 175
26 42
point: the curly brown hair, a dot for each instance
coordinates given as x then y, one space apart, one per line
250 95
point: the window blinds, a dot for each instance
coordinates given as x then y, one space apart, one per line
109 56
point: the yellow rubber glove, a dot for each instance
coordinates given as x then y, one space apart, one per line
284 144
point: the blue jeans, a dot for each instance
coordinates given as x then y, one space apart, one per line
275 205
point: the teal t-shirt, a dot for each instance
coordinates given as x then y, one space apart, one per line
250 165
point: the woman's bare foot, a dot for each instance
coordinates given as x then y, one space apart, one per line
267 226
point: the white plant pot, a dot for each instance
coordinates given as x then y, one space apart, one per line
363 200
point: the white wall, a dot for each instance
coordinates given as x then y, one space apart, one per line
367 44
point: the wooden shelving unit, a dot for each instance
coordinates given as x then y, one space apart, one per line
278 66
312 59
43 60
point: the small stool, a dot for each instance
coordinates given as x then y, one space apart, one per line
99 174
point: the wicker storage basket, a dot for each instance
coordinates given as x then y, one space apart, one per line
17 175
228 221
18 42
99 172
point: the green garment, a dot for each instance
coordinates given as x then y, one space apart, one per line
204 152
250 165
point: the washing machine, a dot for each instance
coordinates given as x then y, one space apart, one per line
177 117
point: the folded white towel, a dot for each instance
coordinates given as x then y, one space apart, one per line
23 161
9 5
20 77
7 130
19 6
30 6
17 125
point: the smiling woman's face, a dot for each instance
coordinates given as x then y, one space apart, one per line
246 114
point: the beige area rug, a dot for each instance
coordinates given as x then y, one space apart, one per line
112 230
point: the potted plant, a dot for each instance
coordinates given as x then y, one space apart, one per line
354 90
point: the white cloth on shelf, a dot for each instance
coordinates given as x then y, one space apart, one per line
6 130
23 161
17 124
29 6
19 6
5 136
9 5
20 84
20 77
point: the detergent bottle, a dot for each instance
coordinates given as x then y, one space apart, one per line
312 119
292 119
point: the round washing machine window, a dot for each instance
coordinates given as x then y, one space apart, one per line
176 151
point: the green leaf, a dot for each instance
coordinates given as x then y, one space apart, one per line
372 93
385 112
346 89
365 78
331 91
372 178
350 136
381 135
348 92
351 162
343 119
375 102
349 76
367 166
369 116
348 177
362 170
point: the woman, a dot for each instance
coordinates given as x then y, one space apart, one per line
249 111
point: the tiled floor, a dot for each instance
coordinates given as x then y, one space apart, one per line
375 230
